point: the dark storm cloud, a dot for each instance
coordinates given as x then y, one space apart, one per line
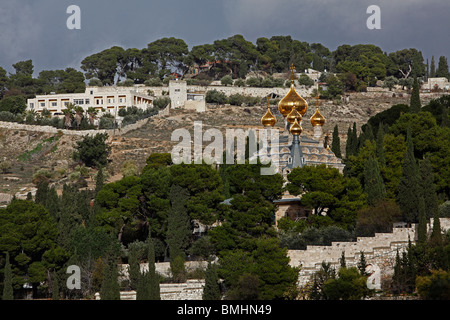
37 30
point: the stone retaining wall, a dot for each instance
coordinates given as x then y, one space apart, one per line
379 251
190 290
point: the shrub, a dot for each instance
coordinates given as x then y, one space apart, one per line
226 80
214 96
161 102
153 82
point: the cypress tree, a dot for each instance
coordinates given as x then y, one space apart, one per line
154 278
336 142
178 223
436 236
342 260
110 289
428 188
373 182
349 143
422 226
355 146
8 293
432 68
134 268
55 287
408 188
414 104
148 285
380 146
362 265
100 180
211 290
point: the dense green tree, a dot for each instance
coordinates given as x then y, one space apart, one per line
120 206
378 218
325 273
29 234
93 151
326 190
349 285
267 263
14 104
168 54
435 286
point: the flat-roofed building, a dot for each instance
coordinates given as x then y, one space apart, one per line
105 99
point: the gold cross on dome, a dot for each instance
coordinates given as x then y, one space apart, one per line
292 71
317 99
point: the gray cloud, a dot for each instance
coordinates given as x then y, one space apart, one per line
37 29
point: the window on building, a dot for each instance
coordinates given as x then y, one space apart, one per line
78 101
54 104
86 101
42 104
32 105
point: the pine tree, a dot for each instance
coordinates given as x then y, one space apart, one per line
211 290
415 104
8 293
336 142
408 188
373 182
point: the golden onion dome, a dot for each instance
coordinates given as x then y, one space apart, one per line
317 119
294 115
296 128
268 120
292 100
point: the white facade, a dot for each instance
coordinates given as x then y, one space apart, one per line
181 97
106 99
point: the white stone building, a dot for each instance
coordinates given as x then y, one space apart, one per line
104 99
181 97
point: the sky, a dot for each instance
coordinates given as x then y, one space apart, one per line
37 29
